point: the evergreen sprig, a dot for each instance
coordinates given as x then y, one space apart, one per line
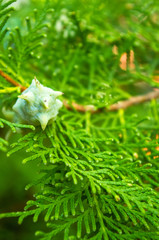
97 173
13 127
22 45
5 11
93 189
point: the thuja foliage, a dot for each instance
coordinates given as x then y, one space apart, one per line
97 174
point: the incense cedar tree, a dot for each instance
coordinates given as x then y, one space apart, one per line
96 170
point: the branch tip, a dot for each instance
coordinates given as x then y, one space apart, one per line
91 108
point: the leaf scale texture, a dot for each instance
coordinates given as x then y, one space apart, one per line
96 173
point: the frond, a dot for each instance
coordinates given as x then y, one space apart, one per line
5 10
98 174
78 176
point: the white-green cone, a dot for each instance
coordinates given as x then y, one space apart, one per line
38 105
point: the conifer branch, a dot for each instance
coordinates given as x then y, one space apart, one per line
97 176
81 108
116 106
135 100
10 80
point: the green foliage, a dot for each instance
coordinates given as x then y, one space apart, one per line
3 144
4 16
97 173
13 127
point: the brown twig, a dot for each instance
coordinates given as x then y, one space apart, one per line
81 108
9 79
114 107
135 100
78 107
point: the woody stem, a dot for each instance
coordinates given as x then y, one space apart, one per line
81 108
